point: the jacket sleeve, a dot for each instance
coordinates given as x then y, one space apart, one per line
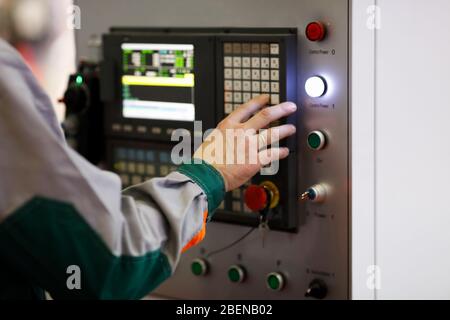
66 226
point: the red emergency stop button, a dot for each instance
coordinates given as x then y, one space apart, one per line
315 31
256 198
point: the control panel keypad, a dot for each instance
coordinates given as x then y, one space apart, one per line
250 69
135 166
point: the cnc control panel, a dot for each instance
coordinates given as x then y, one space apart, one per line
155 80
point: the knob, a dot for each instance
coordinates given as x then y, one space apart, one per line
317 289
315 31
316 140
275 281
236 274
199 267
316 193
316 86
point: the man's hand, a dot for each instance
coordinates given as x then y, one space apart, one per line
238 148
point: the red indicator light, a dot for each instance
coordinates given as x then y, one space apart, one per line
315 31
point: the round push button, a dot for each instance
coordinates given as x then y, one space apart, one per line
199 267
275 281
316 140
236 274
256 198
315 31
315 87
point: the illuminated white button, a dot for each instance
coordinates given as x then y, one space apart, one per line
315 87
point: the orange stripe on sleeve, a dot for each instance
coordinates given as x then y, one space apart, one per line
199 236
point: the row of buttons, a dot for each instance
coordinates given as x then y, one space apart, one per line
251 48
249 86
251 62
251 74
239 98
128 128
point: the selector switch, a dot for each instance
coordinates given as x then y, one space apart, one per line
316 140
199 267
316 193
236 274
275 281
317 289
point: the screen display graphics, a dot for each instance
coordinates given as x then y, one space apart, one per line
158 81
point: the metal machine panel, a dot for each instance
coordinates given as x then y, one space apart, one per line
320 249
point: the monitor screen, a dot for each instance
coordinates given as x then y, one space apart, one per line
158 81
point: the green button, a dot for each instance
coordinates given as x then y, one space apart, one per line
275 281
199 267
236 274
316 140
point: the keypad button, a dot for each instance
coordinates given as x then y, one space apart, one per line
228 62
125 179
265 48
164 170
156 130
150 169
275 99
237 48
236 106
246 85
228 73
237 85
236 193
140 168
228 85
265 63
237 97
237 73
246 74
256 94
246 62
228 97
265 74
228 108
246 48
274 87
228 48
136 179
256 75
265 86
274 63
237 62
256 62
256 86
274 48
256 49
246 96
141 129
131 167
274 75
236 206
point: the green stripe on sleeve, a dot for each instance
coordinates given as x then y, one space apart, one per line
209 179
44 237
